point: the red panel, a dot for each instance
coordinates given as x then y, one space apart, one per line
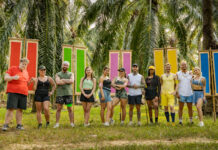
15 53
32 53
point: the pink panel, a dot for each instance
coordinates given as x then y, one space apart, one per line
127 63
114 66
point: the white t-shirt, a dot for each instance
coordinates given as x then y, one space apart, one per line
184 86
135 79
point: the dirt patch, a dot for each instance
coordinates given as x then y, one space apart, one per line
102 144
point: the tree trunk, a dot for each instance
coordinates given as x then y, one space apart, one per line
208 40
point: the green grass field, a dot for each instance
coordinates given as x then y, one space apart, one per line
114 137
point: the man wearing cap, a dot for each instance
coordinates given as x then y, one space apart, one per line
168 92
64 81
184 90
17 90
136 83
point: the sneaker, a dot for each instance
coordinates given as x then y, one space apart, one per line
173 124
201 123
168 123
40 126
5 127
20 127
122 123
86 125
112 122
56 125
130 123
181 123
106 124
72 125
47 124
139 123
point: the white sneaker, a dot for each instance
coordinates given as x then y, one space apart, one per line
106 124
86 125
72 125
139 123
122 123
201 123
56 125
112 122
130 123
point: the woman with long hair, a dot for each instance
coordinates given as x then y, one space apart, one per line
152 92
198 85
105 95
42 94
120 83
87 87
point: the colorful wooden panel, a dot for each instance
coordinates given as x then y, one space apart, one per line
159 61
127 62
80 67
172 59
205 69
114 65
67 55
15 51
215 65
32 55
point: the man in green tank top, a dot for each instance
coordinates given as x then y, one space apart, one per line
64 81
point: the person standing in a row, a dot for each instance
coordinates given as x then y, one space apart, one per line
152 92
136 84
17 90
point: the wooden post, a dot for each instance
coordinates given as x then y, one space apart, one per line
120 65
212 84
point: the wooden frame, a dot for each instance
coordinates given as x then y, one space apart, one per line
75 54
215 75
209 75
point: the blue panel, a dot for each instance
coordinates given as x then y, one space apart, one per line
215 56
205 69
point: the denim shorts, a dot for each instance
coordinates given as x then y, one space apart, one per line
107 96
197 95
186 99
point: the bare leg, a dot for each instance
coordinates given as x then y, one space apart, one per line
149 102
109 105
46 110
58 113
114 103
88 108
19 115
9 116
84 109
38 112
131 107
138 107
103 106
123 107
190 111
71 115
199 108
181 105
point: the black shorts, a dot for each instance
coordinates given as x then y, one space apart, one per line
150 94
84 99
64 99
135 99
41 98
16 101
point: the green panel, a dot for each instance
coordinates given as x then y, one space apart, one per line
68 57
80 66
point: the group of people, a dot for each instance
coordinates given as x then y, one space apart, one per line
187 86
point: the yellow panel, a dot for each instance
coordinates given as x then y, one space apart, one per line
159 62
172 59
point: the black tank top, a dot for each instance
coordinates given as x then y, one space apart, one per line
43 87
107 84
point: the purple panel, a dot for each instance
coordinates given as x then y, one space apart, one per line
114 64
127 63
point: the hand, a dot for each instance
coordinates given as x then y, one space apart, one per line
89 95
173 93
102 98
16 77
50 93
156 98
204 98
135 86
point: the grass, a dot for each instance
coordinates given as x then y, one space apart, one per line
96 134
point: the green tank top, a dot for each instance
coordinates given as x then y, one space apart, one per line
66 89
87 84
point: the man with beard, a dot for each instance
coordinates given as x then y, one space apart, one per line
64 81
184 90
136 83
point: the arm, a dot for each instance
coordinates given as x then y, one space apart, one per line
69 81
94 87
142 83
35 83
124 85
176 85
58 80
9 78
204 88
129 86
158 86
81 87
101 87
53 86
